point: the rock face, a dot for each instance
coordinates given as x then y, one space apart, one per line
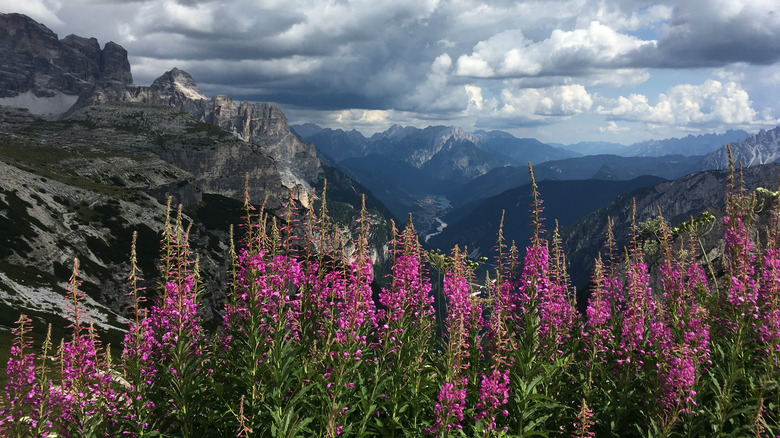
262 124
81 186
760 148
108 157
47 75
216 161
54 78
678 200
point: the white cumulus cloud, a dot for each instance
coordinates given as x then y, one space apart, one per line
712 102
571 53
539 103
613 128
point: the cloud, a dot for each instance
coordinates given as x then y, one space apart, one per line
711 103
718 33
707 33
561 101
613 128
625 15
498 63
43 11
528 107
569 53
437 94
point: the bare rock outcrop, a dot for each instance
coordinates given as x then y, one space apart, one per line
262 124
47 75
760 148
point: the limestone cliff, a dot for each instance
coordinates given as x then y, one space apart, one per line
47 75
54 78
262 124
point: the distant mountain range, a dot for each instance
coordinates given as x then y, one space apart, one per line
445 173
598 167
760 148
445 152
690 145
564 201
405 165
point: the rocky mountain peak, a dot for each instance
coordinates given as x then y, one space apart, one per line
455 134
21 33
114 65
395 132
47 75
177 81
760 148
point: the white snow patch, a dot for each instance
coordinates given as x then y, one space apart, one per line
48 107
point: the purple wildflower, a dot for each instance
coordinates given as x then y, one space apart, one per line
462 324
584 422
639 309
598 329
743 291
450 405
408 302
267 288
357 308
546 299
769 303
493 394
20 414
679 334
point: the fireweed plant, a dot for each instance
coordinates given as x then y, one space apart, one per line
309 345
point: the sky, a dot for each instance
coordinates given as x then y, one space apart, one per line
561 71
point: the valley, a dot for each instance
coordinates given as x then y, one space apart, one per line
105 155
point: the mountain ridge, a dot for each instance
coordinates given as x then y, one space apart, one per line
79 182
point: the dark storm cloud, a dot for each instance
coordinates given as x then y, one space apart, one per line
711 38
519 63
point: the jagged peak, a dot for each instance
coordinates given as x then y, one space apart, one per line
178 80
28 21
74 39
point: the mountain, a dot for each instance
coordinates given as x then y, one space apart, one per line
262 124
445 149
566 201
689 146
404 166
103 163
81 186
47 75
601 167
410 168
54 78
521 151
33 55
336 143
305 130
595 148
678 200
760 148
448 153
